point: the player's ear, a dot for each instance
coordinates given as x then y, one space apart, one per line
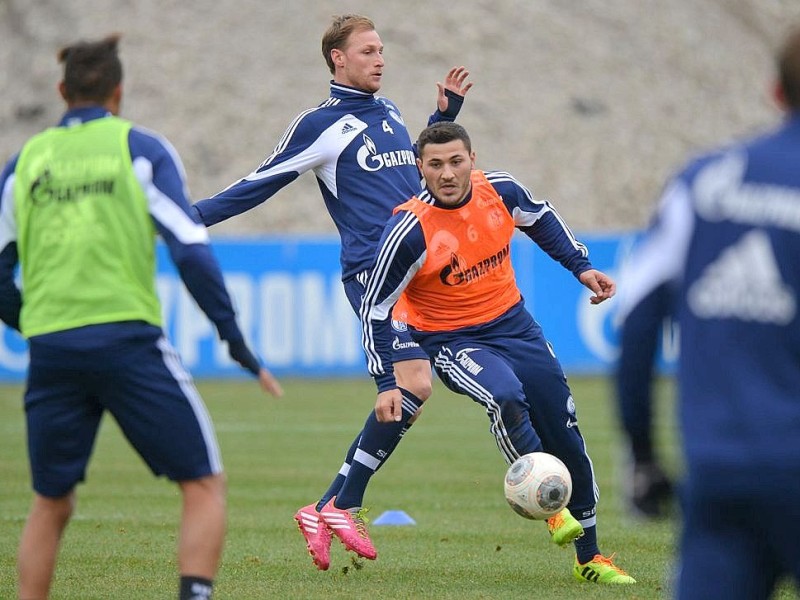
338 57
115 100
472 158
779 95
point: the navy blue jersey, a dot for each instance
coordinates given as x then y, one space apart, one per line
727 238
402 252
160 173
360 151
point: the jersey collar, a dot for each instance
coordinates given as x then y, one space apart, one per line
76 116
793 121
345 92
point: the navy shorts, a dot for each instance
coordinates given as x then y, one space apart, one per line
403 347
738 522
135 375
508 367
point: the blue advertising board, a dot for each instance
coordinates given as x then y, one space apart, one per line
292 308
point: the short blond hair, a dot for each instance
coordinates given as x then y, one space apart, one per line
336 36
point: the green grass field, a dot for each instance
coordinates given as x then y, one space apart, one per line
281 454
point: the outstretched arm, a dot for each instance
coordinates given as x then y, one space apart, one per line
539 220
10 296
297 152
161 176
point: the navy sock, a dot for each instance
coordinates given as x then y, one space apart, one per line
586 545
195 588
391 448
338 481
378 441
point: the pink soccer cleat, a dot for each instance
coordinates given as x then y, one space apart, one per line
349 525
316 534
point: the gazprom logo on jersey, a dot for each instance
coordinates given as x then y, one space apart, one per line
292 308
370 159
458 272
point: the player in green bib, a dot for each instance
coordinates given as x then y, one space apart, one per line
80 209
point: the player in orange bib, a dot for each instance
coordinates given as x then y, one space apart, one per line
444 268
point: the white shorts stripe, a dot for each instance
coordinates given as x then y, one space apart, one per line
474 390
184 379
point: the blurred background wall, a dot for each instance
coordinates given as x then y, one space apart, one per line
590 103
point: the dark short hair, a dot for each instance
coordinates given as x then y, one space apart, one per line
789 69
91 69
335 37
441 133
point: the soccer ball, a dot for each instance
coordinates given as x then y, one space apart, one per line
537 485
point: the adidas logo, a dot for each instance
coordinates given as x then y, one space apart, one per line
744 283
347 128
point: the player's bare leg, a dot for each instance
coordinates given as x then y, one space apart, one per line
39 544
202 530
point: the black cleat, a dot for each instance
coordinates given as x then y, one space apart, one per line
652 491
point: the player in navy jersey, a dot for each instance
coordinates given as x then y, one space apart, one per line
727 236
444 268
647 487
359 149
80 206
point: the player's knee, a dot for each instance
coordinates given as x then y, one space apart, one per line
60 508
421 386
509 393
212 488
416 378
423 390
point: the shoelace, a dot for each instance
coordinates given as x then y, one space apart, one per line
609 562
360 519
555 522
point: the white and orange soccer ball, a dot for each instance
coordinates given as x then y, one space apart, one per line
537 485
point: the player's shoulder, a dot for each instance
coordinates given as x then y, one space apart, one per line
505 183
500 177
387 103
155 149
145 141
731 159
8 169
407 213
715 161
405 228
319 117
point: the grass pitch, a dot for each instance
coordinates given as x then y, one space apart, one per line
281 454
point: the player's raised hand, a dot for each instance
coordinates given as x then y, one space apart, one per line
455 82
601 284
389 406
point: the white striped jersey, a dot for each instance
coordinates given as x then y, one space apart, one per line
402 251
360 151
